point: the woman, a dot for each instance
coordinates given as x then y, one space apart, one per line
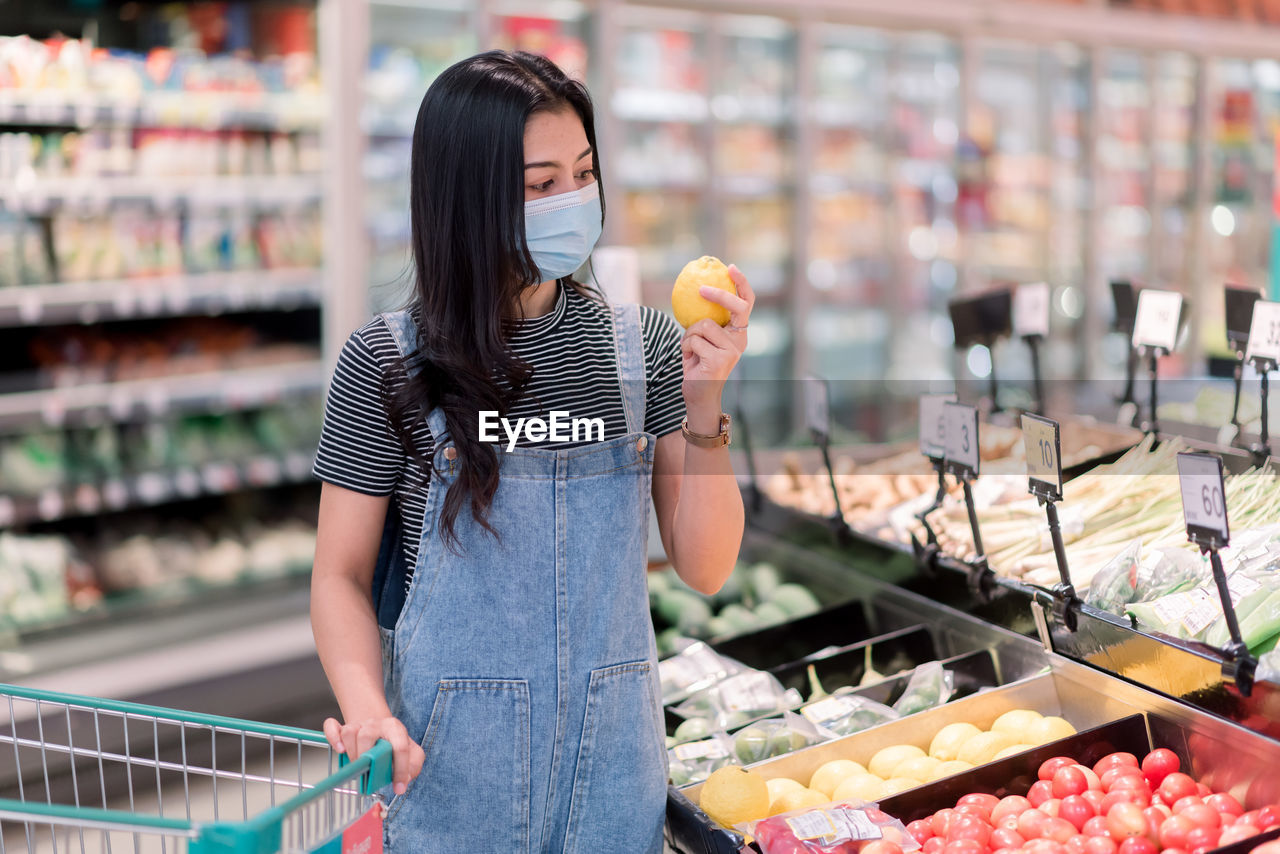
482 605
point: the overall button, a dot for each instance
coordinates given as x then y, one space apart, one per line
451 453
642 443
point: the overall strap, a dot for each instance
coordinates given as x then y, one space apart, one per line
405 333
628 341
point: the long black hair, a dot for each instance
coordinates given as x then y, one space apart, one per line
466 199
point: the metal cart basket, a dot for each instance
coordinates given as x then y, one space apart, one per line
79 774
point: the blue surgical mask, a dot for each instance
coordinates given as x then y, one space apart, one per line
562 230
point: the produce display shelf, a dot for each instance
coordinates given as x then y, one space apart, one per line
238 388
158 296
39 195
260 111
152 489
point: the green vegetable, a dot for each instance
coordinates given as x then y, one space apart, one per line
765 579
816 691
693 729
752 744
795 599
769 614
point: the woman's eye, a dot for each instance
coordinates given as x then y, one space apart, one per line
545 185
587 173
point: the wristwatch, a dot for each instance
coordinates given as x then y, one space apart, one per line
701 440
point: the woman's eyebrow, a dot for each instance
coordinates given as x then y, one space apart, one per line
554 163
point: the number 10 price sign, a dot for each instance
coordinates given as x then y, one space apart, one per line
1042 438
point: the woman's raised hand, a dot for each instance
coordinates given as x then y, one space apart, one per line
354 739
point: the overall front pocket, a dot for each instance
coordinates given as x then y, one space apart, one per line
619 790
473 792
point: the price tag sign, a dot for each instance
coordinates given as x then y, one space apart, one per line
962 439
1264 332
933 425
1031 310
817 406
1043 440
1156 324
1204 501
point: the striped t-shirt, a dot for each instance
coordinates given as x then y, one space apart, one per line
571 351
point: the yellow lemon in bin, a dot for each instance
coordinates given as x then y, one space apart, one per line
1049 729
984 746
1012 749
920 769
687 304
947 743
947 769
897 784
888 759
798 800
779 786
733 795
859 787
1017 721
833 773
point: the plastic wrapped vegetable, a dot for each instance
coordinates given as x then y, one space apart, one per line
694 761
742 697
930 685
693 668
774 737
842 827
847 714
1134 576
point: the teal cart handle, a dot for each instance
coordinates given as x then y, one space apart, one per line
379 769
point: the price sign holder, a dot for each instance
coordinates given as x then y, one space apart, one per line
933 440
1153 342
1031 312
817 405
1043 440
1239 304
1262 350
983 319
1204 507
962 461
1126 305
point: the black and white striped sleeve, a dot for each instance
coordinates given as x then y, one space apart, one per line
664 371
357 449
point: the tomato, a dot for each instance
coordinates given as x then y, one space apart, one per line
1109 778
1155 817
1069 781
1159 764
1076 810
1237 832
1099 845
1175 851
1094 797
934 845
1051 766
881 846
1031 823
1012 805
1224 803
1096 826
1005 838
1203 790
1137 845
941 820
1009 821
974 810
1092 779
1182 803
1268 848
1269 817
1115 760
1007 851
1077 844
1040 792
1203 837
921 830
1043 846
1051 807
988 801
1250 817
969 827
878 816
1177 786
1202 815
1125 820
1173 833
964 846
1123 796
1058 829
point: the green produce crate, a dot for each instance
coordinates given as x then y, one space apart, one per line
68 758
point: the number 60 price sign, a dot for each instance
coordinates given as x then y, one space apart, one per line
1204 502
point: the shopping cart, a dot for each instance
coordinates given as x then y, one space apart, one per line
95 775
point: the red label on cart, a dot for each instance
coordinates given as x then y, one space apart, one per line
365 836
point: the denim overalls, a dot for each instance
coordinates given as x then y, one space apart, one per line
526 665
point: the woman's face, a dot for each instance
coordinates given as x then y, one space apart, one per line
557 157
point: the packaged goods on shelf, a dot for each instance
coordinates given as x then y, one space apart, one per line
41 577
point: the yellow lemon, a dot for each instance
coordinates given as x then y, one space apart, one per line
798 800
1017 721
1011 750
947 743
859 787
1049 729
833 773
779 786
884 762
947 769
897 784
733 795
984 746
687 304
920 769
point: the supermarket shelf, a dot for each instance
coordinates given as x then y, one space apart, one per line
752 186
240 388
657 105
151 489
37 195
282 112
155 296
